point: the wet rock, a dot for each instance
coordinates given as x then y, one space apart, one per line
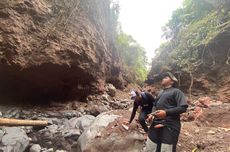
14 139
35 148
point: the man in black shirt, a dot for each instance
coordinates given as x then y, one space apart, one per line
145 101
165 129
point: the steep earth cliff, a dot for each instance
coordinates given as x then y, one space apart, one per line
56 50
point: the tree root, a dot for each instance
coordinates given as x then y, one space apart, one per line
228 58
191 84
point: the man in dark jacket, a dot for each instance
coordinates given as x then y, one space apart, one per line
165 129
145 101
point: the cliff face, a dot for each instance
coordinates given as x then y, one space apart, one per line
55 50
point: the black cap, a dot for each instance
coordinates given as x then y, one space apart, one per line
169 74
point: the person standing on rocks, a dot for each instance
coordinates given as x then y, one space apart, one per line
145 101
165 128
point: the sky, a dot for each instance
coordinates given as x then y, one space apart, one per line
143 20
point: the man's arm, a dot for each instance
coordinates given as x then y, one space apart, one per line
135 106
176 110
152 100
154 107
182 104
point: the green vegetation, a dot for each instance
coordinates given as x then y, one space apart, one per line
191 29
193 35
132 56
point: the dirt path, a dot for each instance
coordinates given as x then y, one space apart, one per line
211 133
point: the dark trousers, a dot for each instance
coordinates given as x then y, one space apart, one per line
165 135
142 118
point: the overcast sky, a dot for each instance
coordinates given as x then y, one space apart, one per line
143 20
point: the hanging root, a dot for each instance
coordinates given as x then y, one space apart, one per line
228 61
228 58
213 59
191 84
178 75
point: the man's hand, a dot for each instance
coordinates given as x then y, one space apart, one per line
125 122
160 114
150 118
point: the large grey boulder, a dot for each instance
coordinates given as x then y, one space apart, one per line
108 134
96 109
13 139
81 123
